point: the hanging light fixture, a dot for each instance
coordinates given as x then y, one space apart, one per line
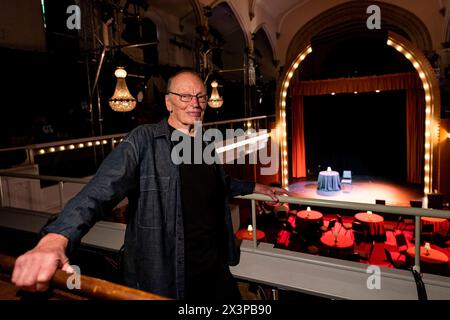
215 101
122 100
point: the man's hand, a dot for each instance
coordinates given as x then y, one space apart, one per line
272 192
34 269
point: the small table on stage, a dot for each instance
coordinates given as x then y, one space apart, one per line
375 225
435 262
329 181
343 245
440 224
244 234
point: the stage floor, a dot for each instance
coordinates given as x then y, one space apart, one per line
364 189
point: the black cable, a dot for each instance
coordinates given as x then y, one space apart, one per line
421 290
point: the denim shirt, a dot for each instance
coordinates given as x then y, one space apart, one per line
141 168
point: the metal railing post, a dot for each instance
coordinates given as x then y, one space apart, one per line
254 223
275 295
30 155
417 244
61 194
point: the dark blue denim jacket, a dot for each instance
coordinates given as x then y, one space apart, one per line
141 168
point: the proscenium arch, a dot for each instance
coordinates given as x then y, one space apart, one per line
280 112
392 16
432 107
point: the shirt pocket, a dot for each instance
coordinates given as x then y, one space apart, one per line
154 194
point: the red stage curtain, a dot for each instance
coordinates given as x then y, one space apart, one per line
397 81
298 138
415 139
415 107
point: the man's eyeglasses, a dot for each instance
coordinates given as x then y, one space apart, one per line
203 98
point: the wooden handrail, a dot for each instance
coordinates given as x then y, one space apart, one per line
91 288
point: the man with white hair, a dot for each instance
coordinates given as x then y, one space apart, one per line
179 241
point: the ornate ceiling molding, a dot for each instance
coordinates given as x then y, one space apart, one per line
341 16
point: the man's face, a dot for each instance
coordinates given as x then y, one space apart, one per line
186 113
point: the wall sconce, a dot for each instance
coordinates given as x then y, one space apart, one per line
122 100
215 101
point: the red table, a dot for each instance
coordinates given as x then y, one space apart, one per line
375 223
343 245
309 215
308 222
244 234
440 224
435 261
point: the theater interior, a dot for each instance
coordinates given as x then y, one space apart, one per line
344 103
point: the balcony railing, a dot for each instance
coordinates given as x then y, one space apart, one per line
33 150
90 288
393 210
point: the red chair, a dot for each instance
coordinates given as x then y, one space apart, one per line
391 261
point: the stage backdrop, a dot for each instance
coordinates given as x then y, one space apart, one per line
415 114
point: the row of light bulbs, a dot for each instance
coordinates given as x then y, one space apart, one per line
428 116
283 138
75 146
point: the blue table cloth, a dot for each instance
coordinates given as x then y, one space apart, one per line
329 181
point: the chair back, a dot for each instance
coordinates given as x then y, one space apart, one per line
347 174
339 219
331 224
389 257
402 244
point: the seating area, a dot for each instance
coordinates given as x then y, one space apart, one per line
364 237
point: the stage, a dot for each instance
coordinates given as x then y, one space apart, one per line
364 189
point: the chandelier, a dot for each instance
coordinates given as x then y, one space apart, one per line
215 101
122 100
